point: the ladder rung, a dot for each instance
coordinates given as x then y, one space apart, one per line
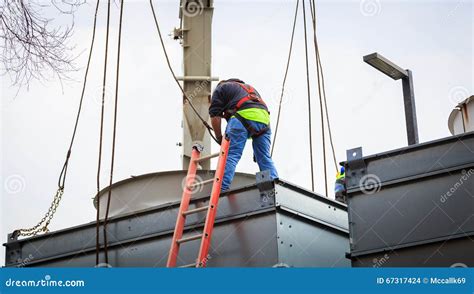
205 236
189 265
190 238
195 210
207 157
197 184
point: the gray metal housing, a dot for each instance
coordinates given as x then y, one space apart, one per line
260 225
413 206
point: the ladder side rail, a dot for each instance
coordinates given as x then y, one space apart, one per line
212 210
185 199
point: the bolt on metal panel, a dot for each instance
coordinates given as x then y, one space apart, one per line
303 243
326 211
245 235
411 198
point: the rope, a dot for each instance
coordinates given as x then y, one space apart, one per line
102 131
323 136
62 176
208 127
323 84
114 132
45 221
327 115
284 78
309 99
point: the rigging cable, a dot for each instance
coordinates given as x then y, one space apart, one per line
324 91
318 56
101 131
284 78
208 127
309 99
62 177
323 136
112 160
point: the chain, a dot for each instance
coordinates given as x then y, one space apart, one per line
43 224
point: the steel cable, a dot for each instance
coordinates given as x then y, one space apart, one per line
101 131
208 127
112 160
284 78
309 99
320 96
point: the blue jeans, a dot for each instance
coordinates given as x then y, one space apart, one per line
238 135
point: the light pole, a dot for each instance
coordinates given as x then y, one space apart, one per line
395 72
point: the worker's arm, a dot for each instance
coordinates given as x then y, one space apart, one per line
216 125
216 109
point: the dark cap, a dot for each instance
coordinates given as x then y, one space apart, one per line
232 80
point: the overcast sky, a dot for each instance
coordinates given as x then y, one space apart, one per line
250 41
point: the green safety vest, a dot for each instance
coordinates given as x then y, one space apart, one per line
255 114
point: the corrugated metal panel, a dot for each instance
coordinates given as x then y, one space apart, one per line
304 243
245 235
411 198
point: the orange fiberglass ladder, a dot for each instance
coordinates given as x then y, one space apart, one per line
206 235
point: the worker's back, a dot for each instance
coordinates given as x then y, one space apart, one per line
227 95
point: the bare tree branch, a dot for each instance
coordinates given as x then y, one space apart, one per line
32 46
